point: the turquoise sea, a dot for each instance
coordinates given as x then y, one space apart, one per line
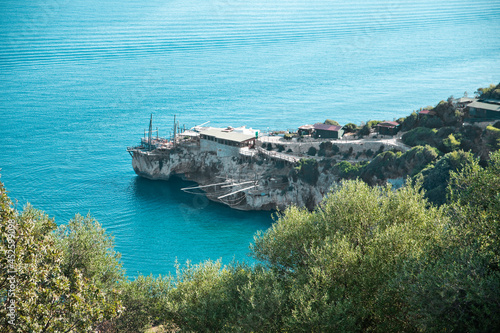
79 79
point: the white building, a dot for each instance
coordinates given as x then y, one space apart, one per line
227 142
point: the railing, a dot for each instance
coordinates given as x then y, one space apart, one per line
280 156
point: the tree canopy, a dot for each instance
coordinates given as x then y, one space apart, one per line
39 292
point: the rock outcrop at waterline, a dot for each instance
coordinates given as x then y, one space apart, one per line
266 183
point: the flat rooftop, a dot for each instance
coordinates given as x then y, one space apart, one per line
225 134
484 106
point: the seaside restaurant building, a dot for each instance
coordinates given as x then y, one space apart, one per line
226 142
388 128
324 131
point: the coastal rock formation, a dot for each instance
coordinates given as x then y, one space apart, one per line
266 183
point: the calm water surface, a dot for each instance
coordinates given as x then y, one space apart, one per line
78 80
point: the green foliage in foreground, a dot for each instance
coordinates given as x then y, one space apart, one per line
338 260
367 259
39 291
88 248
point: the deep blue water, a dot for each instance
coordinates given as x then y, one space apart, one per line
78 80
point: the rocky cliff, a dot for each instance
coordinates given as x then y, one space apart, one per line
266 183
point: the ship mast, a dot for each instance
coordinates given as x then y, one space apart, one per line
150 131
175 128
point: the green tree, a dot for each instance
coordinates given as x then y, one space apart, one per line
436 176
492 92
36 295
206 297
87 247
493 137
410 122
339 258
146 302
475 193
350 128
455 285
331 122
451 143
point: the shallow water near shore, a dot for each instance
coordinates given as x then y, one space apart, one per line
79 79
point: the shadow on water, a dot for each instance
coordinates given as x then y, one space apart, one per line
156 192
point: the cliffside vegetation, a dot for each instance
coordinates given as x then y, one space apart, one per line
331 122
441 143
366 259
491 92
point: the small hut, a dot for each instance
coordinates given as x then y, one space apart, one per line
388 128
325 131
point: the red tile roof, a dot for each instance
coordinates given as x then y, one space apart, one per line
428 112
388 124
325 127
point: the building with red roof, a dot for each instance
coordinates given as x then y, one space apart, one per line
325 131
388 128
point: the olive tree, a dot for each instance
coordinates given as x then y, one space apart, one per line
338 259
36 293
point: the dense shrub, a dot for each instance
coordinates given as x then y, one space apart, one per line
350 128
420 136
367 129
307 170
493 137
431 122
347 170
325 149
331 122
409 122
450 144
52 293
338 259
435 177
312 151
146 302
491 92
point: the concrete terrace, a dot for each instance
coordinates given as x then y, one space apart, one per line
300 147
